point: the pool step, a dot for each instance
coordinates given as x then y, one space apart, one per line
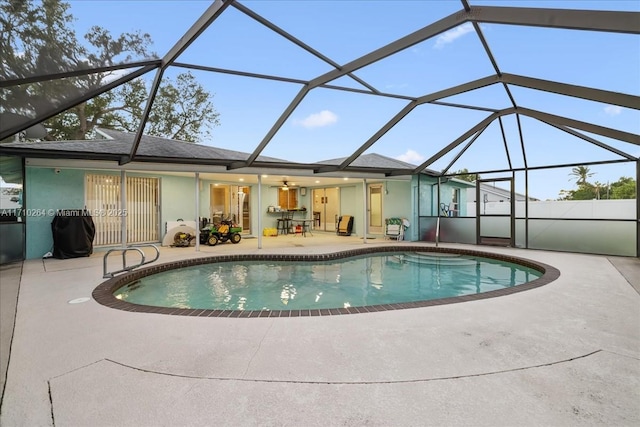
435 259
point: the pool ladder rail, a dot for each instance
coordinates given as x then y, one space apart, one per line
125 267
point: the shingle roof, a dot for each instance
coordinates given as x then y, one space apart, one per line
154 148
150 147
372 160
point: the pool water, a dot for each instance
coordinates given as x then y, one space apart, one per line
364 280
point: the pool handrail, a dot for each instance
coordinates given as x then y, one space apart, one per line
125 268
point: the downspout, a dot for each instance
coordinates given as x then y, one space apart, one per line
438 211
512 220
526 208
364 222
197 211
259 211
637 208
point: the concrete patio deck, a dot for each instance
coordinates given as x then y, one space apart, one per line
564 354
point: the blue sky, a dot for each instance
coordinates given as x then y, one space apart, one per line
330 124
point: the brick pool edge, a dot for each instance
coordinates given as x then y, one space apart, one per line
104 293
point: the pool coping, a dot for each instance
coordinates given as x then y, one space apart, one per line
104 292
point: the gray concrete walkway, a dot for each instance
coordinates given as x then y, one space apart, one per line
629 268
9 286
565 354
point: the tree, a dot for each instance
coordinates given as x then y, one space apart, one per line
464 175
600 190
37 40
584 192
581 173
624 188
181 111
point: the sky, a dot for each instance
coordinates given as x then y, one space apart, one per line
331 124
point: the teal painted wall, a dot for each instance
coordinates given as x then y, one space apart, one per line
177 200
351 203
429 195
205 198
269 198
47 191
396 201
446 196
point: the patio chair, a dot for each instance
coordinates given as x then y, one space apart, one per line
345 225
394 229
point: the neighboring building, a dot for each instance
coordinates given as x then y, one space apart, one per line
492 193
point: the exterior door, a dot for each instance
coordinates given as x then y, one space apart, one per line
243 202
233 202
326 203
219 202
374 208
495 222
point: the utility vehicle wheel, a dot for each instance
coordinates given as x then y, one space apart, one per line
213 240
235 238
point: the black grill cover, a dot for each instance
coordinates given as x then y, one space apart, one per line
73 232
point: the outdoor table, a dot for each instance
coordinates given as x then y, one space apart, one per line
304 224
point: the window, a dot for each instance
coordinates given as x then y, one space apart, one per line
11 198
287 199
454 209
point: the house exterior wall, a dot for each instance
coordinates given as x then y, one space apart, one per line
397 199
428 195
45 192
177 199
48 191
397 203
269 198
351 203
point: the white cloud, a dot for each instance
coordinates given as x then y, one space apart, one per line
323 118
451 35
411 156
612 110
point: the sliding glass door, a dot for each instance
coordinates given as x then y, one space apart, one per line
326 207
231 202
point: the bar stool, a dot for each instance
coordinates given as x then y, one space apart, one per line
284 223
305 227
316 219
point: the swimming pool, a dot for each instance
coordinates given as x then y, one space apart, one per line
355 281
